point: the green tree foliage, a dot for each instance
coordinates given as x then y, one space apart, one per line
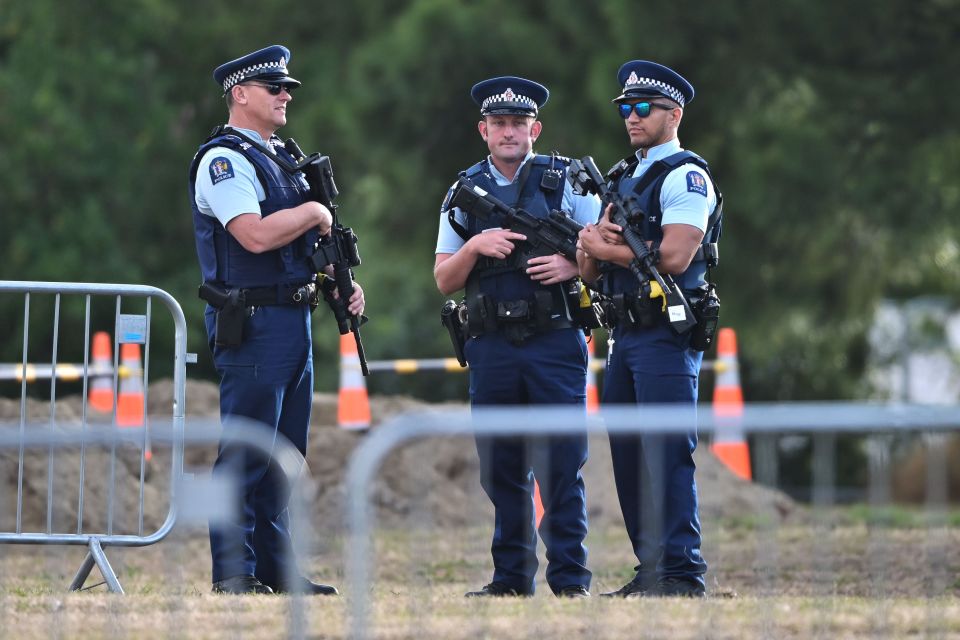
832 128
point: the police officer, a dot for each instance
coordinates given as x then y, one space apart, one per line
255 227
526 349
648 362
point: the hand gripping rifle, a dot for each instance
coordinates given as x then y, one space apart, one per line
585 178
557 233
338 249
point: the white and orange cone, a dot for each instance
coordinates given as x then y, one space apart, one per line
100 394
593 396
353 405
130 396
729 444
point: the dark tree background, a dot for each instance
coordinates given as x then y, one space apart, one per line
832 128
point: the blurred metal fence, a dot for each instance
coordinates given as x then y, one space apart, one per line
774 567
195 499
128 329
418 537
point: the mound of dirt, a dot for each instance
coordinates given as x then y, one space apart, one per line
435 481
912 481
50 481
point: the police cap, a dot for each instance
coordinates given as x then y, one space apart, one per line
268 64
509 95
645 79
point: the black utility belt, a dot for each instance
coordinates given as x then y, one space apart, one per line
517 319
639 312
630 310
281 295
295 294
234 306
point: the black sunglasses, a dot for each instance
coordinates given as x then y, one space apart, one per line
273 88
642 109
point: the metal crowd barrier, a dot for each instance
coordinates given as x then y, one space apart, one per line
128 328
194 499
823 422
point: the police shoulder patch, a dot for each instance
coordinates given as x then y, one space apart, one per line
696 183
220 170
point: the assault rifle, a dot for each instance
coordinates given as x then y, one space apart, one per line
556 233
337 249
585 178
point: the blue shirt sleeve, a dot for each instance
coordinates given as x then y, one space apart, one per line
448 240
687 197
583 209
227 185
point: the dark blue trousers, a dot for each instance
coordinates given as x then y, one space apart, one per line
654 473
268 379
549 368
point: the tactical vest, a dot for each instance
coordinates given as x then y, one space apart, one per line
646 188
222 258
537 193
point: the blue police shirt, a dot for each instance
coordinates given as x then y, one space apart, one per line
583 209
684 199
227 185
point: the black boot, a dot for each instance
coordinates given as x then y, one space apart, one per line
679 588
238 585
496 590
573 591
641 585
306 587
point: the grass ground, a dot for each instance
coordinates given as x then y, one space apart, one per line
851 575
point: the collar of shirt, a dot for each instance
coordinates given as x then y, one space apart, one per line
250 133
658 152
502 179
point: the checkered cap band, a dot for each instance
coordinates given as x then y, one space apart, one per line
635 82
274 66
508 96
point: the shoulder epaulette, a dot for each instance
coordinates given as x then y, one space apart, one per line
683 157
551 159
475 169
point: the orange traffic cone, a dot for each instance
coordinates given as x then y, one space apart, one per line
353 405
100 395
729 443
130 397
537 502
593 397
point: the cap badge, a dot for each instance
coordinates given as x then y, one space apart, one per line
509 94
633 79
